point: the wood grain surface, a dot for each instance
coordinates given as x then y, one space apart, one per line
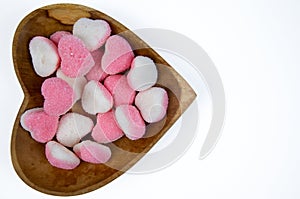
28 156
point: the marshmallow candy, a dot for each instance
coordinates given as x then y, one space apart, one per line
44 55
55 37
120 90
76 60
96 98
61 157
117 56
72 127
42 127
96 73
77 83
92 32
58 96
142 74
152 103
92 152
106 129
130 121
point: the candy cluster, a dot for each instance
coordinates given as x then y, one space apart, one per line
115 89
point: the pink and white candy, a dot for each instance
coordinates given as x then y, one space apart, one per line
152 103
130 121
106 129
41 126
93 32
117 56
120 90
92 152
61 157
96 98
142 74
44 55
72 127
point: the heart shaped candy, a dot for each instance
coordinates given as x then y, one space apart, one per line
92 152
130 121
120 90
60 156
58 96
96 98
117 56
72 127
142 74
41 126
44 55
106 129
76 60
152 104
92 32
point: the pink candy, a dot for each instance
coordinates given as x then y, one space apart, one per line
76 60
120 90
55 37
92 152
58 96
41 126
117 56
106 130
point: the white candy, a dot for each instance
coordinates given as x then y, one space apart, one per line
72 127
44 55
76 83
92 32
96 98
143 73
61 157
152 103
92 152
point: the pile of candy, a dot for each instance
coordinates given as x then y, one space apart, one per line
101 72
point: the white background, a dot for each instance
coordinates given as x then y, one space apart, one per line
255 46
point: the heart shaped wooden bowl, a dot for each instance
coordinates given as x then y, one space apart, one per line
28 156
